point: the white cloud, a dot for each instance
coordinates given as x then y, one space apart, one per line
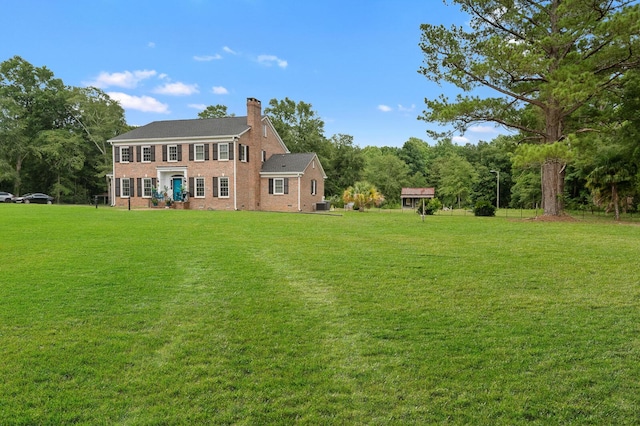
200 107
228 50
384 108
126 79
177 89
163 76
140 103
151 45
406 109
460 139
219 90
269 60
207 58
483 129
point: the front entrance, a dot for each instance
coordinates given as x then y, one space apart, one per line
177 188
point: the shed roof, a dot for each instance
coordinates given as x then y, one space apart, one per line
418 193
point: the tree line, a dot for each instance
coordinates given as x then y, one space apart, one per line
54 138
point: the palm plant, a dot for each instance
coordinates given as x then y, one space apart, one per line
362 194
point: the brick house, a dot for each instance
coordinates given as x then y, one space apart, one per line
231 163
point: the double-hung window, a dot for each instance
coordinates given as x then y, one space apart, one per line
314 187
223 190
125 189
173 152
146 154
278 186
199 153
223 151
125 154
199 181
243 153
147 187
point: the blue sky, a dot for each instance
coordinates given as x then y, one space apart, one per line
355 61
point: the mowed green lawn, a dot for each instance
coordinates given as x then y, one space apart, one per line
174 317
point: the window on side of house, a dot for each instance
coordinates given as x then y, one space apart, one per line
146 154
223 189
173 152
147 187
243 153
125 190
125 154
199 187
278 186
199 152
314 186
223 151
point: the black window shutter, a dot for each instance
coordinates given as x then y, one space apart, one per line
240 157
153 154
132 188
286 185
247 154
154 183
139 187
117 187
179 152
270 186
139 153
190 152
206 152
192 190
116 154
230 150
215 151
215 186
164 153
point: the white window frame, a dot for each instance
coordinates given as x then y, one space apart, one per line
123 186
221 187
147 187
264 156
264 130
223 148
146 154
199 190
275 186
172 156
122 151
198 156
244 155
314 187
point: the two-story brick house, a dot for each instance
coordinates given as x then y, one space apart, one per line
231 163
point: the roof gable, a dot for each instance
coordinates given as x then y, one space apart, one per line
184 129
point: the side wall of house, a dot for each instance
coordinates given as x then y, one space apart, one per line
299 196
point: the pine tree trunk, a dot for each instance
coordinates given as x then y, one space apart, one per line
552 187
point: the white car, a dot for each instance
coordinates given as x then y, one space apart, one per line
6 197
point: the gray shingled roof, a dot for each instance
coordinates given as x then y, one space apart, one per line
226 126
287 163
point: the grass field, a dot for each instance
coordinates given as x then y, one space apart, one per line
179 317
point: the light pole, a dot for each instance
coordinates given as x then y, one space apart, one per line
497 172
